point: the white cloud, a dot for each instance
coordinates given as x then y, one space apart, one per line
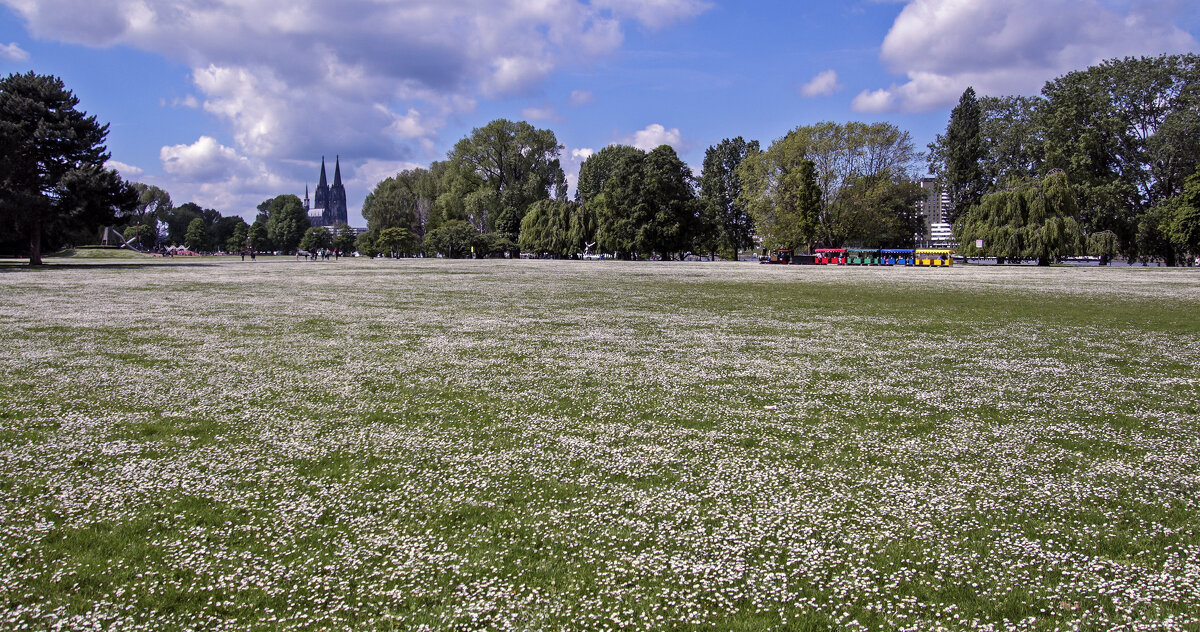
13 52
368 79
365 176
547 113
655 13
205 160
1010 46
873 101
188 101
654 135
824 84
580 97
128 172
583 153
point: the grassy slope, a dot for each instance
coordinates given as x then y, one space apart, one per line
582 446
99 254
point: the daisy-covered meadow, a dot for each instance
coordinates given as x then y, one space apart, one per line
523 445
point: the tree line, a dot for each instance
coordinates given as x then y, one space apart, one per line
502 190
1105 161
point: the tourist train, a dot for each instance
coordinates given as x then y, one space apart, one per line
863 257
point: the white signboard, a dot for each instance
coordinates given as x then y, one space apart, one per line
979 243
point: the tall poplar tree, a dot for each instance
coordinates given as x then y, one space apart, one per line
720 185
963 175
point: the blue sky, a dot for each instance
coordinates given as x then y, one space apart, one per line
226 103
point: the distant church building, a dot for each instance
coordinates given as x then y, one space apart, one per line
329 207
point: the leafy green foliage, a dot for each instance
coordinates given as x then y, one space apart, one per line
498 171
546 228
395 241
52 176
453 239
784 199
152 202
259 236
729 225
879 214
647 205
316 238
1037 220
196 238
286 221
141 235
1102 125
364 244
178 219
223 231
344 240
1103 245
405 200
846 161
964 177
237 241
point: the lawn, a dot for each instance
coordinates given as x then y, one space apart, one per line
519 445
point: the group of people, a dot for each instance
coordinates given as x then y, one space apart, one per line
324 254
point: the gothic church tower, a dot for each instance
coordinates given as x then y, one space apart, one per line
329 203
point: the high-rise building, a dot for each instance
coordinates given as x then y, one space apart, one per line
935 206
329 203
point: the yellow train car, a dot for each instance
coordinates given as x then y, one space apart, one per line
934 257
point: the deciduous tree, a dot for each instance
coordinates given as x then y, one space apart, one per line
315 238
502 168
546 228
1037 220
196 237
721 185
452 239
286 222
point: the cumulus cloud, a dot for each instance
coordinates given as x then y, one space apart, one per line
188 101
204 160
128 172
824 84
1010 46
547 113
282 70
580 97
363 177
655 13
13 52
654 135
370 80
582 153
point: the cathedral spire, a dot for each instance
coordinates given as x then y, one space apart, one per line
337 171
323 183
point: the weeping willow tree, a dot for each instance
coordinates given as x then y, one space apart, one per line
545 229
1037 220
1103 244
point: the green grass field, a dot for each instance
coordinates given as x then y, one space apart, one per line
98 254
516 445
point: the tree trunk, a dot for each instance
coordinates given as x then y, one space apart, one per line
1043 261
35 242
